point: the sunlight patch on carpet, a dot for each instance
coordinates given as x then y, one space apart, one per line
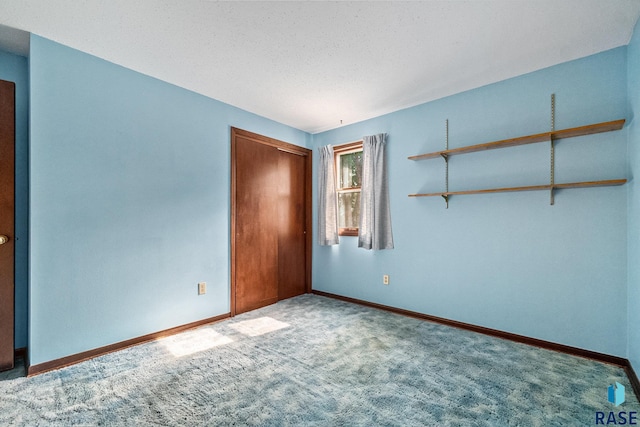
259 326
195 341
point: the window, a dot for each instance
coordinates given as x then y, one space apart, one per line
348 159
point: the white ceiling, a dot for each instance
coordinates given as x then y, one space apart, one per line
312 64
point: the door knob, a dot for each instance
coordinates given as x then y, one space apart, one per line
3 239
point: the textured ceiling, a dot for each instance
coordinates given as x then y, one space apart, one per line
312 64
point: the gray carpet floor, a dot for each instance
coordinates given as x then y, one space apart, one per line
314 361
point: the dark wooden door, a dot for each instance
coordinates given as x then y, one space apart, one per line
271 212
7 200
256 245
291 231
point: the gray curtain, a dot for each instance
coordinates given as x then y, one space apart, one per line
375 214
327 199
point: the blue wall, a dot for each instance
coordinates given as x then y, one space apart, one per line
634 199
506 261
130 182
130 207
15 68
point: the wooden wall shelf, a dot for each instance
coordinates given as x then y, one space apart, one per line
551 136
529 139
548 187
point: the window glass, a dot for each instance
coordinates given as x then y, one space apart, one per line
348 160
348 209
350 170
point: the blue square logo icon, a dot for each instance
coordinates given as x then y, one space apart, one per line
615 394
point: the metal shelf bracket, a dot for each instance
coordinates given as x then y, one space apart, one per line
446 164
553 149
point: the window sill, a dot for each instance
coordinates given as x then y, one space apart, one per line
348 232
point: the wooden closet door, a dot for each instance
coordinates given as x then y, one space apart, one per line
291 238
256 225
270 219
7 201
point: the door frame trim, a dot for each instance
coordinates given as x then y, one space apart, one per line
289 148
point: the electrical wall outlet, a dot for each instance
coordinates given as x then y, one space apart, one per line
202 288
385 279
